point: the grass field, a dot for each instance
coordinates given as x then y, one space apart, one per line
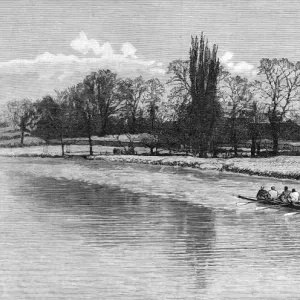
11 137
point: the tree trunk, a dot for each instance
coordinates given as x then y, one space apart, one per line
253 146
62 148
211 146
133 125
103 128
90 144
258 149
22 137
202 152
275 136
275 144
90 135
234 136
235 146
151 150
62 144
275 122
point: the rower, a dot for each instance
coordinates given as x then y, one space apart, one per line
273 194
262 194
294 196
285 195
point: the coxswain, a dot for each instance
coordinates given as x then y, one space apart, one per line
262 194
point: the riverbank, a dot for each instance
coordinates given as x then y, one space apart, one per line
278 167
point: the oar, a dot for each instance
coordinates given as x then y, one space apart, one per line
291 214
262 207
240 204
266 207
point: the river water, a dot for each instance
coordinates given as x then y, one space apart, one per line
100 230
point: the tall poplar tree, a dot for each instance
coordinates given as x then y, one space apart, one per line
204 109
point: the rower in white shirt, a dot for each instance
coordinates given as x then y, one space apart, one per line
273 194
294 196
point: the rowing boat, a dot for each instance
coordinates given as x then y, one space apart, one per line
285 205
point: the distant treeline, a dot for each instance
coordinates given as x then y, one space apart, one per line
205 108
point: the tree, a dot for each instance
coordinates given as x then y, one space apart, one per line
131 92
179 102
54 117
23 116
255 126
237 99
152 97
180 93
179 82
84 103
102 86
205 109
149 141
279 88
153 93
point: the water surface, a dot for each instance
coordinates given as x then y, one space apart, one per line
100 230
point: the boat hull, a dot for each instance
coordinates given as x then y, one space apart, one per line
284 205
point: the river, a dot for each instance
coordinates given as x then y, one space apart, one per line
100 230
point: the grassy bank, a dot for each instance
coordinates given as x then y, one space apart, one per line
278 167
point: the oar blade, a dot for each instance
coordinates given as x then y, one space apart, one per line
243 203
291 214
261 208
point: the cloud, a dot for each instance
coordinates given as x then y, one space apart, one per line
227 56
42 64
50 64
64 74
241 68
58 71
53 58
106 50
82 44
44 73
157 71
128 50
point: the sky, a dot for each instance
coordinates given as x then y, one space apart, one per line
53 44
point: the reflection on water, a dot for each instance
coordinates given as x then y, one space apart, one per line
82 230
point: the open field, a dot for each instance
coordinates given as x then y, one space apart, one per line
10 137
